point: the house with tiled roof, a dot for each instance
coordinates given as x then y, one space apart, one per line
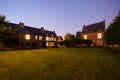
94 32
31 37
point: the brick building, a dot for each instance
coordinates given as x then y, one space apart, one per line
30 37
94 32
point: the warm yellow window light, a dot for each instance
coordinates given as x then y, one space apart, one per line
54 39
40 37
27 37
36 37
52 43
47 43
85 36
47 38
99 35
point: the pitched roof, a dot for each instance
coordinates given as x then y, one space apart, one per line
60 37
50 33
96 27
32 30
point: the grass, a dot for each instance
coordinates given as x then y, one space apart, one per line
60 64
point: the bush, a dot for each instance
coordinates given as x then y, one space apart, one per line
2 46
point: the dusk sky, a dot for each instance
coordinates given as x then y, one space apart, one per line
60 15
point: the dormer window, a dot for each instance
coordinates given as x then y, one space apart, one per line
52 35
99 36
27 36
85 36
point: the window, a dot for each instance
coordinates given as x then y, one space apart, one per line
85 36
27 37
54 39
47 38
40 37
52 43
52 35
35 37
47 43
27 44
99 36
50 38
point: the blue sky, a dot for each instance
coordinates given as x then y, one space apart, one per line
60 15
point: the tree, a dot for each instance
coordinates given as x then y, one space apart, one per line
78 35
8 34
67 36
111 35
69 40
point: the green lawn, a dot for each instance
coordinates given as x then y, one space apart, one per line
60 64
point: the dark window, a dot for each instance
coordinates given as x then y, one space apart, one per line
39 43
27 44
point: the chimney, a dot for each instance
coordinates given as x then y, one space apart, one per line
42 29
54 31
104 20
21 24
83 26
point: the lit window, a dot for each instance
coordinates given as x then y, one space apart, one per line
47 38
99 36
54 39
85 36
35 37
40 37
47 43
50 38
52 43
27 37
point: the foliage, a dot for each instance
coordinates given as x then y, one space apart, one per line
60 64
79 35
72 41
67 36
7 33
87 42
111 35
69 40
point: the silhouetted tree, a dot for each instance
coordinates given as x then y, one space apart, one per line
69 40
78 35
67 36
112 34
7 33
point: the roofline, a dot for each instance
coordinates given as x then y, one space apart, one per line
94 23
